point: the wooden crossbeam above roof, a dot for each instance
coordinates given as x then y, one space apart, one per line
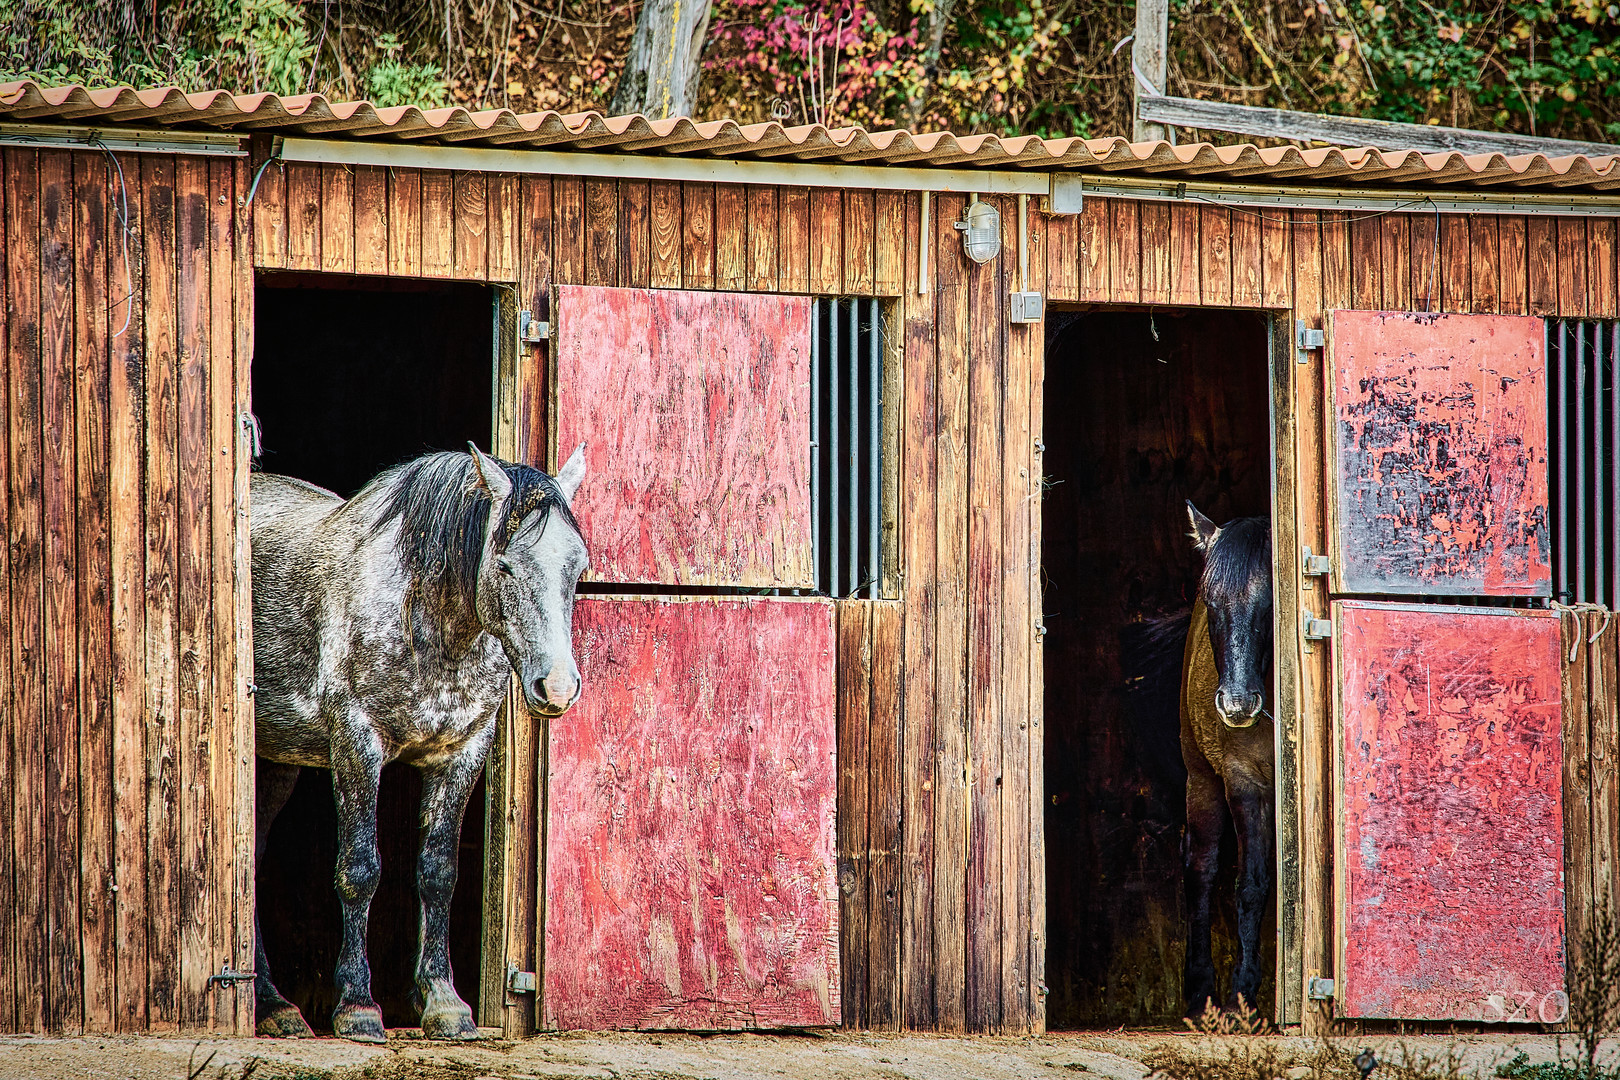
1353 130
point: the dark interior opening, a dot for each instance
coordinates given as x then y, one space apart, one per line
351 375
1144 410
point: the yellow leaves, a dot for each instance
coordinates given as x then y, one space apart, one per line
1567 92
1451 32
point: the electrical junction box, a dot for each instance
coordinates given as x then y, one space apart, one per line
1026 307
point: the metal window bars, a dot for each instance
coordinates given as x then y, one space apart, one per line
846 446
1584 439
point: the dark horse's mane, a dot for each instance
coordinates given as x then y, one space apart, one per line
444 511
1241 552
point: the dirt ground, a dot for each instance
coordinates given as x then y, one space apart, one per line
655 1056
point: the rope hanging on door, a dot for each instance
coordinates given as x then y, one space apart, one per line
1577 609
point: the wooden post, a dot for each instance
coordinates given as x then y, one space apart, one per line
1150 54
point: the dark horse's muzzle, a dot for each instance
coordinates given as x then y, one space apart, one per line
1239 710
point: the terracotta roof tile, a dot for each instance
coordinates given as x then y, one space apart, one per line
312 114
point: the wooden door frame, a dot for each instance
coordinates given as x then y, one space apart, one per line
1288 583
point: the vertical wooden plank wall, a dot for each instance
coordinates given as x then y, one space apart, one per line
962 947
123 873
1303 263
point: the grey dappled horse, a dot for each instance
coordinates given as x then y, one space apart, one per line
1225 683
387 628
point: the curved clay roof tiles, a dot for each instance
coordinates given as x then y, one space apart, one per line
313 114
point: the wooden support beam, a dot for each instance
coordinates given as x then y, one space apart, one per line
1150 60
1342 130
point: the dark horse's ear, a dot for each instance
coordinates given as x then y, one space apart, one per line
1203 529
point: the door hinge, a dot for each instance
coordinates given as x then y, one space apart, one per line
1313 565
1306 339
1319 989
520 982
1313 629
532 331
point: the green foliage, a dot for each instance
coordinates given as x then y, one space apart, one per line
392 81
1522 1068
56 43
268 38
1042 67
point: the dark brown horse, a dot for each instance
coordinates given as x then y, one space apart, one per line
1227 742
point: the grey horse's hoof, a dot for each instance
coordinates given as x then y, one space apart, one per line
359 1023
445 1015
460 1029
450 1023
284 1022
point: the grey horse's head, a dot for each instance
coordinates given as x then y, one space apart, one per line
530 566
1236 591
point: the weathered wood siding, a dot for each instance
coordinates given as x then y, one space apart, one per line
1313 261
125 754
967 716
126 746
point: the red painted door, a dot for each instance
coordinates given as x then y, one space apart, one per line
1451 869
695 413
689 870
1448 757
690 878
1439 454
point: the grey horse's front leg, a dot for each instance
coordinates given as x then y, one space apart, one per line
277 1017
445 788
357 761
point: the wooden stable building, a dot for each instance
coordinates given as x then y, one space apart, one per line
962 818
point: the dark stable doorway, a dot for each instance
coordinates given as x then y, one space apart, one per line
1144 410
350 376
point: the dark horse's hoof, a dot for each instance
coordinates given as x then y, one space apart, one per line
284 1022
359 1023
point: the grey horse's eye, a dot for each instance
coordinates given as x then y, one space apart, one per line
504 565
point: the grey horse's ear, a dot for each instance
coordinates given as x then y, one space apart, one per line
572 474
491 477
1203 529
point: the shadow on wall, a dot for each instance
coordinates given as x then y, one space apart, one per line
1144 410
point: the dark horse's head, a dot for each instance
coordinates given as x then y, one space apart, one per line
1236 591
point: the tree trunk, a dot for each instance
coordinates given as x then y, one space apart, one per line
662 71
939 21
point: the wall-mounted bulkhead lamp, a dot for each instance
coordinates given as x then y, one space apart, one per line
981 231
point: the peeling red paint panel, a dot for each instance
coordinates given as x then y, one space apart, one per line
1441 453
695 411
1451 868
690 873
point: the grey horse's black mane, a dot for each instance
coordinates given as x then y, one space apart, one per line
1241 553
444 511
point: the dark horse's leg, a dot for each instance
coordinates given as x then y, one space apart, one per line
277 1017
1201 846
357 762
445 788
1252 810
